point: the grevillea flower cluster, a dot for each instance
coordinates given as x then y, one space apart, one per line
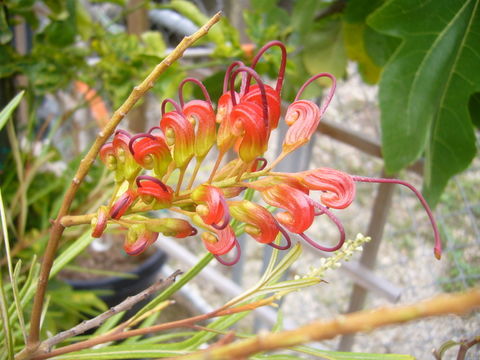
242 122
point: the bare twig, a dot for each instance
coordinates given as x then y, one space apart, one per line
100 319
465 346
57 227
348 324
188 322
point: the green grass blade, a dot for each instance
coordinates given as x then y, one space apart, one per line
172 289
339 355
7 331
122 352
13 282
8 110
99 272
109 324
71 252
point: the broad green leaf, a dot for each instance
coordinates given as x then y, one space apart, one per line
324 50
354 35
426 86
8 110
367 47
474 107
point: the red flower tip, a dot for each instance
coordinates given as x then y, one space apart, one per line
108 157
99 223
338 187
300 211
179 133
254 95
211 207
178 228
225 136
261 225
221 244
153 191
302 117
201 112
138 239
122 204
151 152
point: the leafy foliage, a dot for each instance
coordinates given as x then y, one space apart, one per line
421 53
426 87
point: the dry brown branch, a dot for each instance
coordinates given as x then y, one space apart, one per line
367 320
188 322
57 227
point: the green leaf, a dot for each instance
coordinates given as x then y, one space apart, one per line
122 352
13 279
8 110
5 33
367 47
6 325
71 252
356 51
474 108
337 355
426 86
154 44
324 50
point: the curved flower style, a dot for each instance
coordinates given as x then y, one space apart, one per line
117 157
179 133
138 239
154 193
212 207
338 187
283 64
151 151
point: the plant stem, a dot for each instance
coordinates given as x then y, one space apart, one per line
151 329
347 324
57 227
100 319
